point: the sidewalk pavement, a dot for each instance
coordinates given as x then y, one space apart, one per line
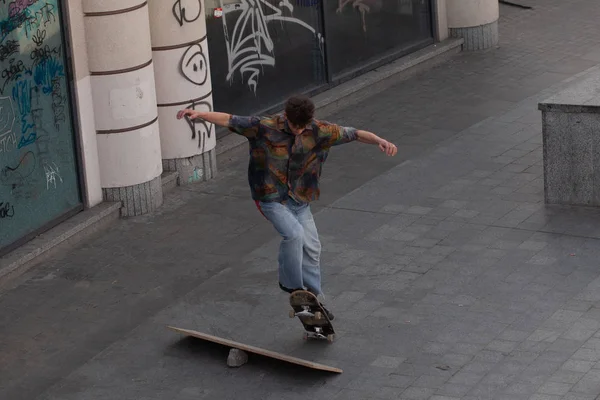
449 277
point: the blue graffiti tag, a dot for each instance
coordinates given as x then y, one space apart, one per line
45 71
22 96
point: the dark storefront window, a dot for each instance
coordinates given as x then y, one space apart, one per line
262 51
359 31
39 181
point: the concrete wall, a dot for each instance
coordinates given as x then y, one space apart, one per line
85 105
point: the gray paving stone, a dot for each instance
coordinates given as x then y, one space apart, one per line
589 384
578 396
541 396
566 376
542 335
385 392
555 388
417 393
430 381
532 245
579 333
452 391
388 362
521 388
514 335
591 355
438 397
501 346
578 365
467 348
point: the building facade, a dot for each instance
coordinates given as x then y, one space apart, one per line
90 88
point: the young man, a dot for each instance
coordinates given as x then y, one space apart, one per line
286 157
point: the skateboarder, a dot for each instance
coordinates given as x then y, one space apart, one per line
287 152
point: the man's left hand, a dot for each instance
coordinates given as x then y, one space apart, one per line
388 148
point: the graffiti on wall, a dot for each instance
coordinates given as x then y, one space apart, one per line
186 11
194 67
32 100
201 130
250 46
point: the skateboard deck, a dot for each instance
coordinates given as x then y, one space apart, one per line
311 314
256 350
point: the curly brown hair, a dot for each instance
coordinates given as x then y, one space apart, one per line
299 110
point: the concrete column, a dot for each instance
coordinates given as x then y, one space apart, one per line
474 20
441 20
180 52
124 96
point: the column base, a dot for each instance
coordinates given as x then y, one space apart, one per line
477 37
199 168
137 199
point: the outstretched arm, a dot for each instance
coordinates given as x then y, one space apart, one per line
370 138
217 118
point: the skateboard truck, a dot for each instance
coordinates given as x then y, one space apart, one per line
318 334
306 313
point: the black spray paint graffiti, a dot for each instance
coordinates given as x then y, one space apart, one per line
58 103
8 49
16 176
6 210
45 53
187 10
13 72
194 66
39 37
201 129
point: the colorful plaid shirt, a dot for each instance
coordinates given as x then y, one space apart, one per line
282 164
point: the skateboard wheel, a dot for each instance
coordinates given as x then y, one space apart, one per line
330 338
292 313
318 315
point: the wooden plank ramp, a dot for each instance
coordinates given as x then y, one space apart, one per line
256 350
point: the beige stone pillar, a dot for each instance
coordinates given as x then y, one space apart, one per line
124 96
474 20
441 20
85 105
182 70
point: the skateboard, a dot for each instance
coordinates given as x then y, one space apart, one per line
311 314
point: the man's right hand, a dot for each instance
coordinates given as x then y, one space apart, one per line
217 118
187 112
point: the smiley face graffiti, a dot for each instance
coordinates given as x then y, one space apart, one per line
194 65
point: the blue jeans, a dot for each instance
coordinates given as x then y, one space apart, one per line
300 249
